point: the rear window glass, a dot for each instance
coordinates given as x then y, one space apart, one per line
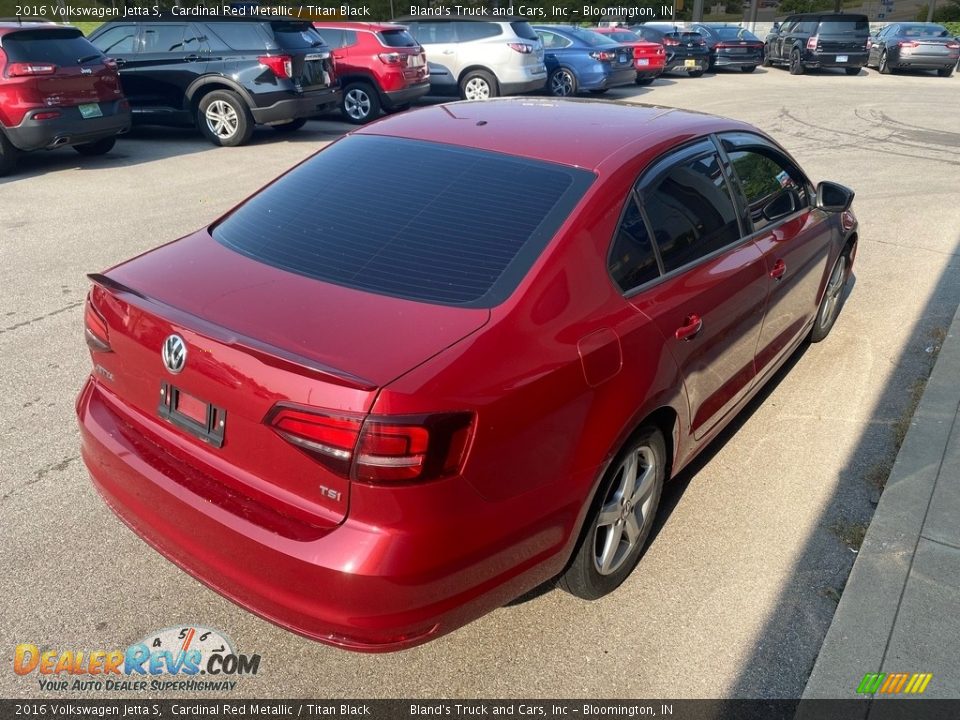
467 31
461 228
623 36
396 38
524 30
840 27
588 37
296 35
61 47
732 33
924 31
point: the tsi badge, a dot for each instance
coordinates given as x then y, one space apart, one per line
174 353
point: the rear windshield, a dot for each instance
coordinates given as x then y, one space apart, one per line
923 31
410 219
845 27
296 35
524 30
732 33
64 47
623 36
588 37
396 38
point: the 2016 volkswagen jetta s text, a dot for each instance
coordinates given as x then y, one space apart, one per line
373 411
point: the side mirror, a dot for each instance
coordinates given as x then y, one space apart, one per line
775 28
834 197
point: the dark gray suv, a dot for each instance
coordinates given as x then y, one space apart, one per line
819 40
225 77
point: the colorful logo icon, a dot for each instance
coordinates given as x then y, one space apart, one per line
894 683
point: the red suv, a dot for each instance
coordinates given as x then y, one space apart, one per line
380 66
56 89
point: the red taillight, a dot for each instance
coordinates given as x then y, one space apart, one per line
953 46
603 55
22 69
670 41
908 44
282 65
95 328
390 58
522 48
812 42
380 448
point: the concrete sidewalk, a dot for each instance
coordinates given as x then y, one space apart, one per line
900 610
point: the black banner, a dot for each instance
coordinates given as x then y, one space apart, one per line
887 709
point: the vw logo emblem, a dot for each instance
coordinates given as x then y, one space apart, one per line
174 353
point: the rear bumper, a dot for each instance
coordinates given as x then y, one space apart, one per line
522 79
737 61
357 586
406 95
300 106
679 62
924 62
829 60
71 128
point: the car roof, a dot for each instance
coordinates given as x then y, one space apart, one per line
371 26
577 132
829 16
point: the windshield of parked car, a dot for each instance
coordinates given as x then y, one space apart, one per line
623 36
588 37
524 30
62 47
397 38
734 33
444 224
844 27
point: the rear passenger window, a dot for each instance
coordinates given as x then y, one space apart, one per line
467 31
632 260
163 38
239 35
118 40
690 212
772 186
431 33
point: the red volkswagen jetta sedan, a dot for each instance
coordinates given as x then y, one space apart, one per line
372 413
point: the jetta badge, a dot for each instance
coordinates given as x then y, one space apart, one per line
174 353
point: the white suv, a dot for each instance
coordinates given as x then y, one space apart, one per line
479 59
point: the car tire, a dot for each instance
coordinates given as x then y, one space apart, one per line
8 155
100 147
945 72
224 118
360 103
883 67
478 85
695 73
621 518
832 299
562 83
796 63
290 126
852 71
748 68
644 81
765 61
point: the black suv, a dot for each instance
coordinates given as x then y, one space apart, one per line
224 76
818 40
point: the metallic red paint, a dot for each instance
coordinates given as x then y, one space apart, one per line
557 377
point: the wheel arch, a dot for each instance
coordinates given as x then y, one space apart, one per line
208 84
474 68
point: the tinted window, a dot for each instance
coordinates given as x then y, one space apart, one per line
552 41
805 27
239 35
632 260
396 38
690 212
589 38
924 31
524 30
462 228
60 47
436 32
118 39
845 27
467 31
163 38
772 186
295 35
333 37
650 34
623 36
732 33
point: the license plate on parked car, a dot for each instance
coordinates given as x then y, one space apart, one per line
90 110
690 62
643 61
841 58
195 416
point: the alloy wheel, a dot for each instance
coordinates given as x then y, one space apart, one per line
476 88
356 103
627 510
222 119
832 295
561 84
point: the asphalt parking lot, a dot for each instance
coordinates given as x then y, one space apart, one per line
739 585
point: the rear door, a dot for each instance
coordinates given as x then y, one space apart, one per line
312 58
791 234
171 56
439 40
709 306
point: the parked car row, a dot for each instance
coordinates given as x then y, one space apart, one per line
226 77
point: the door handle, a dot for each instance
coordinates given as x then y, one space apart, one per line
692 324
191 58
448 52
120 62
779 268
